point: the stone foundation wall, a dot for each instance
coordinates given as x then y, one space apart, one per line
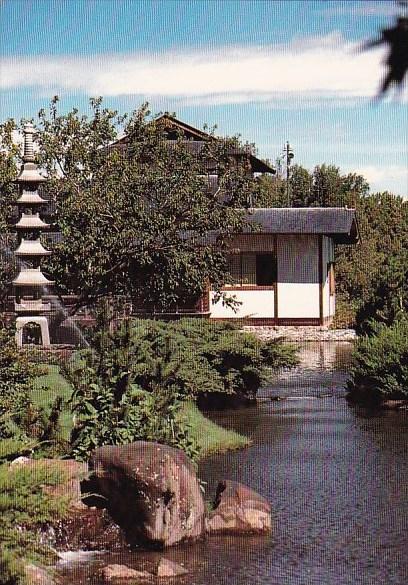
302 333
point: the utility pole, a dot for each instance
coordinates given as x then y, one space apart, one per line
288 153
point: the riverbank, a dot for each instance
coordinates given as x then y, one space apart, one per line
301 334
209 438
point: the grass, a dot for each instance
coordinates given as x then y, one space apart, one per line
47 387
210 437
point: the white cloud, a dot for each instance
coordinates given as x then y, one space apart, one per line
363 8
318 68
392 178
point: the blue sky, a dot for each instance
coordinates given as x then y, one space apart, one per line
269 70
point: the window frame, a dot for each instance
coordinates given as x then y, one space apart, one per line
252 286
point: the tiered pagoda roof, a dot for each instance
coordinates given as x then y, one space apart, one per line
30 281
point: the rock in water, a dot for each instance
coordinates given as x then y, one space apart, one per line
35 575
239 510
167 568
150 490
123 574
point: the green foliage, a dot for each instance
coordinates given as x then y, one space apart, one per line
134 382
8 172
16 375
380 369
372 275
325 186
25 506
104 419
125 210
194 355
110 405
23 421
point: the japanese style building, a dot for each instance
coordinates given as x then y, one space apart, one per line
284 273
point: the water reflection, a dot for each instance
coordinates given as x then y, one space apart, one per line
322 370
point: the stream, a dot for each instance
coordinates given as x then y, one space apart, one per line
337 479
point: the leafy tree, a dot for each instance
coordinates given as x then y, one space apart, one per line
325 186
125 210
270 191
372 276
301 187
8 172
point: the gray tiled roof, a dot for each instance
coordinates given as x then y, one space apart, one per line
339 222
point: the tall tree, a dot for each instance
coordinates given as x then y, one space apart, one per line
373 276
325 186
8 172
139 221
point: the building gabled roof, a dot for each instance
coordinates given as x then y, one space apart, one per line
195 138
338 222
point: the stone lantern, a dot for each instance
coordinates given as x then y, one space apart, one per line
30 283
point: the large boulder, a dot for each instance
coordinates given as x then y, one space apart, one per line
150 490
238 510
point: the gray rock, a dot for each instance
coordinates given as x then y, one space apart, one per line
35 575
167 568
239 510
123 574
151 491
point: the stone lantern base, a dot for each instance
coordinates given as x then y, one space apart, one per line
42 322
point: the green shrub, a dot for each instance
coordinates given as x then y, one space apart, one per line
104 418
112 407
134 381
201 356
25 507
16 376
23 421
380 368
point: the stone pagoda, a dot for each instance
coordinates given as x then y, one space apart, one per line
30 284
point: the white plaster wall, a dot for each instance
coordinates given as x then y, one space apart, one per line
298 300
298 276
255 304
